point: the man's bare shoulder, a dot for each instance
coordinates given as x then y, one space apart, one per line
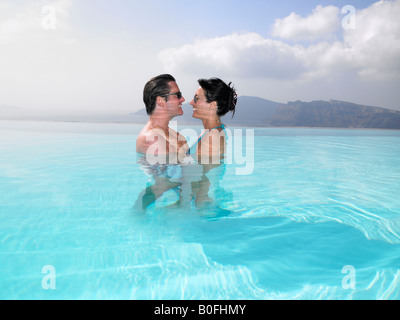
150 137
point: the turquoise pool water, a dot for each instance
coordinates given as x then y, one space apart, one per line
318 200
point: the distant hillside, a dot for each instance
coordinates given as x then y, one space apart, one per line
253 111
333 113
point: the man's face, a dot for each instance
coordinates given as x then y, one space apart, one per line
174 104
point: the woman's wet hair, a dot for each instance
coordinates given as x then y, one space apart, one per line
156 87
220 92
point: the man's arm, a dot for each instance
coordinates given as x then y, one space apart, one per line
142 144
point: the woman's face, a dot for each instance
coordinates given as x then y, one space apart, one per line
201 108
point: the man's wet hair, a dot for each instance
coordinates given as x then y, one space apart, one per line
156 87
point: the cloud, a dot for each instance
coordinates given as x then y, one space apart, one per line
321 23
81 67
26 21
246 55
34 61
63 70
374 45
370 52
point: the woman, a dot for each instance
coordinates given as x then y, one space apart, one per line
213 99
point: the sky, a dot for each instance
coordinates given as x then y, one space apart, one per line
67 57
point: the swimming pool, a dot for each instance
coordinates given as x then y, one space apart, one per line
318 218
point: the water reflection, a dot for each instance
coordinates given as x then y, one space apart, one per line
195 185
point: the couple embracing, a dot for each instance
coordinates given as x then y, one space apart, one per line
163 100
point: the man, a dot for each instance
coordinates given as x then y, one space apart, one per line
163 101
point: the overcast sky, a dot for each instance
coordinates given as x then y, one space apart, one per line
95 56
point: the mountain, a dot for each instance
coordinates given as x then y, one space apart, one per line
334 113
254 111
